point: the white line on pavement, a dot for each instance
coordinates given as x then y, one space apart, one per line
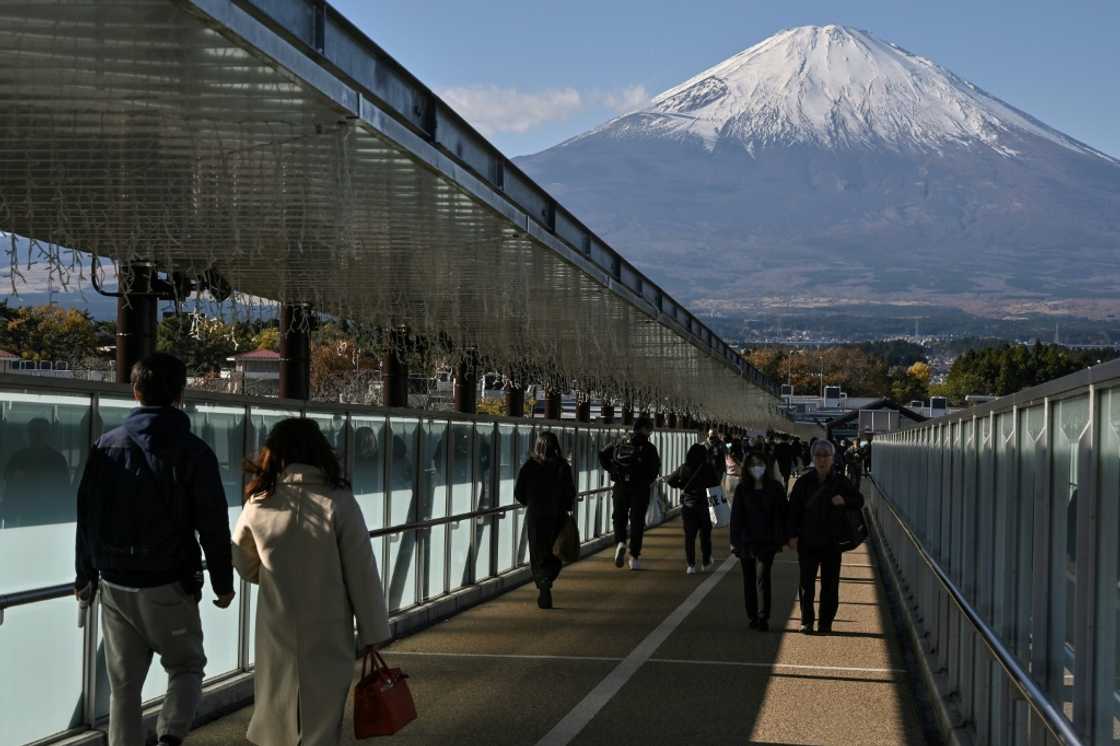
514 656
684 661
575 721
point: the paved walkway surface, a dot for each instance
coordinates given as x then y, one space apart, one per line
653 657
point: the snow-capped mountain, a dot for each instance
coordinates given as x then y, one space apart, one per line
828 163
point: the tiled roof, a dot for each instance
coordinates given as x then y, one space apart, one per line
261 354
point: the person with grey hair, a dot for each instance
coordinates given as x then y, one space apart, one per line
816 526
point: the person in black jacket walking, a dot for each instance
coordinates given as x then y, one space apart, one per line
758 531
148 489
693 478
633 465
546 487
817 524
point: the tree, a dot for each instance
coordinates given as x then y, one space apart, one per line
203 343
48 333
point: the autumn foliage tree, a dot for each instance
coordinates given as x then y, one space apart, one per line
856 371
48 333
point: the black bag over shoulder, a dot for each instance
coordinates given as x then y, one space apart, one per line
143 516
846 527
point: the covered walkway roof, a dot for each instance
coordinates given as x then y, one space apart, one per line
269 140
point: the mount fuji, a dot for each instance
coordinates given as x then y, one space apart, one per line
825 166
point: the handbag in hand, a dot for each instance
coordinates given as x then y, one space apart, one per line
382 701
566 546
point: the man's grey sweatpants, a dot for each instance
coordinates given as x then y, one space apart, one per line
136 623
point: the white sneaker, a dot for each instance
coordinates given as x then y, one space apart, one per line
691 570
620 554
635 564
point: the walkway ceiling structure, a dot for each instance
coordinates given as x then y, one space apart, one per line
271 141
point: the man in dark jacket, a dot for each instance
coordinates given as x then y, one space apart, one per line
148 488
634 466
816 526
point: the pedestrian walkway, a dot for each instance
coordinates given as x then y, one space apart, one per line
654 657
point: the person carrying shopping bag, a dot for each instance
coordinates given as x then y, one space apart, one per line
693 478
546 487
758 531
302 538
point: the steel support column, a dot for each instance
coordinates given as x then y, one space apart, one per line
394 371
295 351
583 411
515 400
466 385
136 318
627 414
553 405
607 413
659 420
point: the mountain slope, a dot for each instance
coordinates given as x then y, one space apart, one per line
824 164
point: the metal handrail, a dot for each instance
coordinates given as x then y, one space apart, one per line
51 592
1053 719
422 525
35 595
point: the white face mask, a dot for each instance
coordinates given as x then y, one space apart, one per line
758 471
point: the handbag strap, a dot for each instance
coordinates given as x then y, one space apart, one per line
378 663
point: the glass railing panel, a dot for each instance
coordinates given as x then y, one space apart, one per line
43 446
333 427
462 498
1068 438
486 442
367 474
460 563
434 452
504 527
1106 708
1031 434
403 476
434 545
41 685
112 412
261 422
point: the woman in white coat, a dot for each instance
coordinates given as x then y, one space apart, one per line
302 538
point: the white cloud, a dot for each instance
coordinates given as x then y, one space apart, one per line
625 100
492 109
495 110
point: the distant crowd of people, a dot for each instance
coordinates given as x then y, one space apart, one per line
151 506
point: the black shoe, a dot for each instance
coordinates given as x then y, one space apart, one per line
807 629
763 625
170 740
544 600
754 624
825 629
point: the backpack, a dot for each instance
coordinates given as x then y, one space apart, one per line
627 462
143 517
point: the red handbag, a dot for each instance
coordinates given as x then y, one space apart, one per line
382 702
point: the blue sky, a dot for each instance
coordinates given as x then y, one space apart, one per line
533 74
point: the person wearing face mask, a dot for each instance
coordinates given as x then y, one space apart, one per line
758 530
816 526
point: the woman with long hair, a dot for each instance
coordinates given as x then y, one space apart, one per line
301 537
693 478
758 531
546 487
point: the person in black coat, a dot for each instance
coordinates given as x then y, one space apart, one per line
693 478
546 487
817 524
758 531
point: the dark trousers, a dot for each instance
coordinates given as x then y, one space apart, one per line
543 562
827 560
697 520
757 576
630 517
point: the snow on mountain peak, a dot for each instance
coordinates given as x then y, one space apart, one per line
837 87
